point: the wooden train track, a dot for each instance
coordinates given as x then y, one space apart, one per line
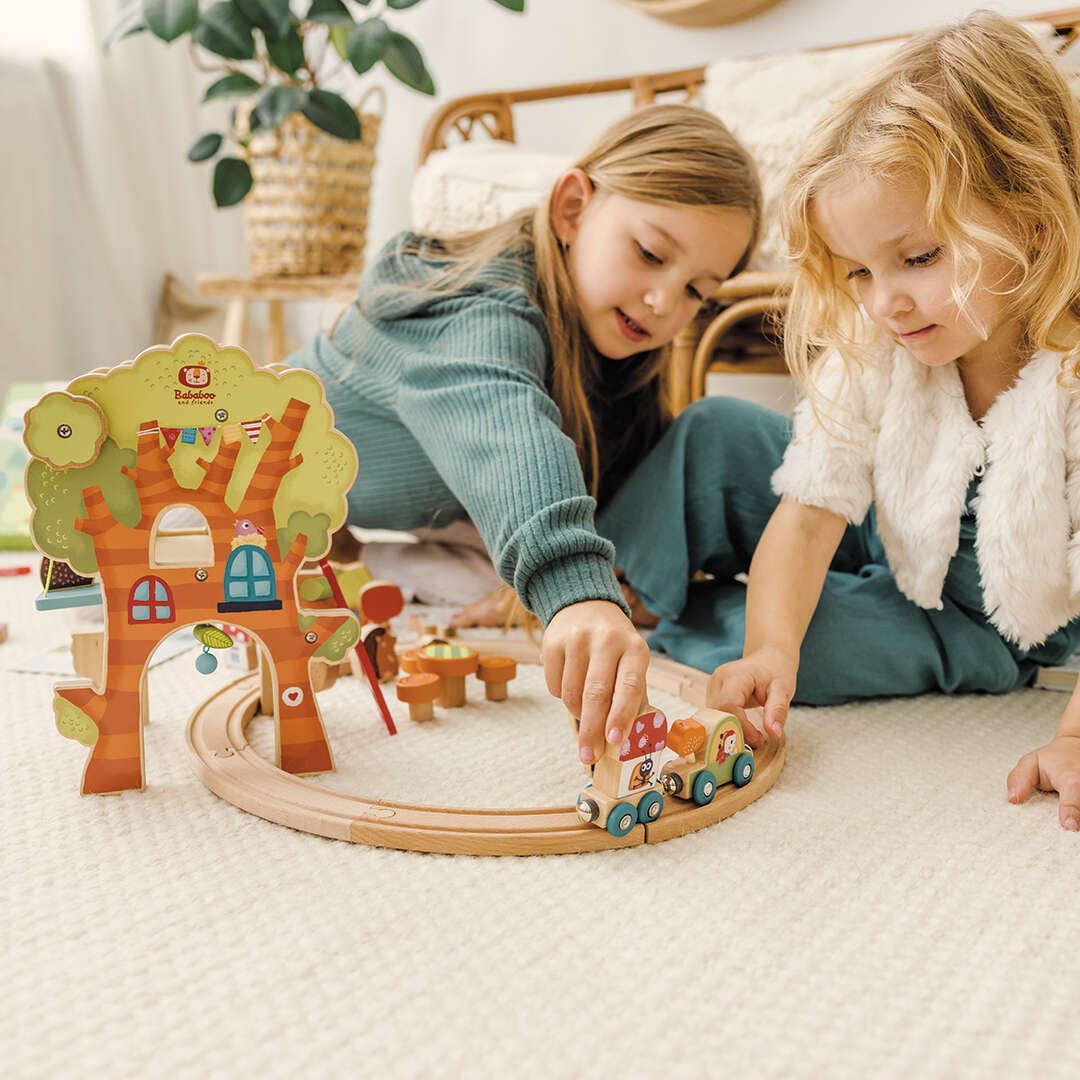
226 763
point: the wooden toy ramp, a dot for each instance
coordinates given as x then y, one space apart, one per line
231 768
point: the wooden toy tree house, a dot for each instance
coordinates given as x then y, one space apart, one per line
253 456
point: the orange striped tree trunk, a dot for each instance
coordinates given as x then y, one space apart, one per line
124 555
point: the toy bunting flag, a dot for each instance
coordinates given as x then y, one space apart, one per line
171 435
253 429
187 436
207 434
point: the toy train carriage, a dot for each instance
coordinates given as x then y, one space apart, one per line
713 752
625 788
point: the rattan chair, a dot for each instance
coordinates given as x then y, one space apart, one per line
738 328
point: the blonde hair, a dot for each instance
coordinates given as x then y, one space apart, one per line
979 114
673 155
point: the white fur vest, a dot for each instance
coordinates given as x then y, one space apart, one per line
908 444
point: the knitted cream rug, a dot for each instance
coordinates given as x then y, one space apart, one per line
883 911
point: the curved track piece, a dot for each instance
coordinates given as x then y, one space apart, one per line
231 769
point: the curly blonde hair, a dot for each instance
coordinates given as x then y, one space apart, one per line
978 114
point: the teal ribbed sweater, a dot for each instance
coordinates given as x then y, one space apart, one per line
445 399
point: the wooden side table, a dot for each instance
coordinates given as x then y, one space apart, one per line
240 292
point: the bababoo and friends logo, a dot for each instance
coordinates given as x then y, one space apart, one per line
196 376
195 379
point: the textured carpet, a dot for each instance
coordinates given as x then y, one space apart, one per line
883 911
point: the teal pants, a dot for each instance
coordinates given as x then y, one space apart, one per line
701 500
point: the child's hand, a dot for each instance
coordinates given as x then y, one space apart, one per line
765 677
1053 767
595 661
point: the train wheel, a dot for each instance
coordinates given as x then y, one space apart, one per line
650 807
742 771
621 819
704 789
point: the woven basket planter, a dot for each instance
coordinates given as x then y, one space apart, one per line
307 209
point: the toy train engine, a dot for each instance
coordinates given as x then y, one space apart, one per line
625 787
713 752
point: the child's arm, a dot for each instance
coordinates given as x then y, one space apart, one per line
479 407
786 577
1054 767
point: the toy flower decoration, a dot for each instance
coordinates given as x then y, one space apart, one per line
64 431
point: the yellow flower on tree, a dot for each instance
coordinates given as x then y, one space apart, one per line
64 431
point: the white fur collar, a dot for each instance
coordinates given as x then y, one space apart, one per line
928 448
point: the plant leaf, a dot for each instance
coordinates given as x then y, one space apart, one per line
168 19
401 5
131 23
330 13
287 53
223 30
213 637
205 146
512 5
366 43
339 38
332 113
272 17
236 84
405 62
232 181
277 102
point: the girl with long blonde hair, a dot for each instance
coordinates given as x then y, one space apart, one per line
513 376
923 532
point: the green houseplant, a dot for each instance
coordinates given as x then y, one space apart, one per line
296 153
273 60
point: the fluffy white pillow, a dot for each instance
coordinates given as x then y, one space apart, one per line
474 185
769 103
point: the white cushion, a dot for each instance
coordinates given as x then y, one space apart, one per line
768 102
474 185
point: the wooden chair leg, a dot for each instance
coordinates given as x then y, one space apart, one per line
236 323
277 345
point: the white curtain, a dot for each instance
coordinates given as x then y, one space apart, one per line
98 198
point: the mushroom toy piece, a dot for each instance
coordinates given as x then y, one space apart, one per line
419 693
686 738
452 663
636 764
409 661
495 672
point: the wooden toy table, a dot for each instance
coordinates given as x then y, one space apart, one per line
241 292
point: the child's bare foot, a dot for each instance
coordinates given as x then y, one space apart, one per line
490 610
640 615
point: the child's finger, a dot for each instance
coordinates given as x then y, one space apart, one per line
730 691
575 669
1069 805
752 733
776 708
595 702
629 691
1023 778
554 660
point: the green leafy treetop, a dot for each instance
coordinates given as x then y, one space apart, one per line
274 58
92 435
